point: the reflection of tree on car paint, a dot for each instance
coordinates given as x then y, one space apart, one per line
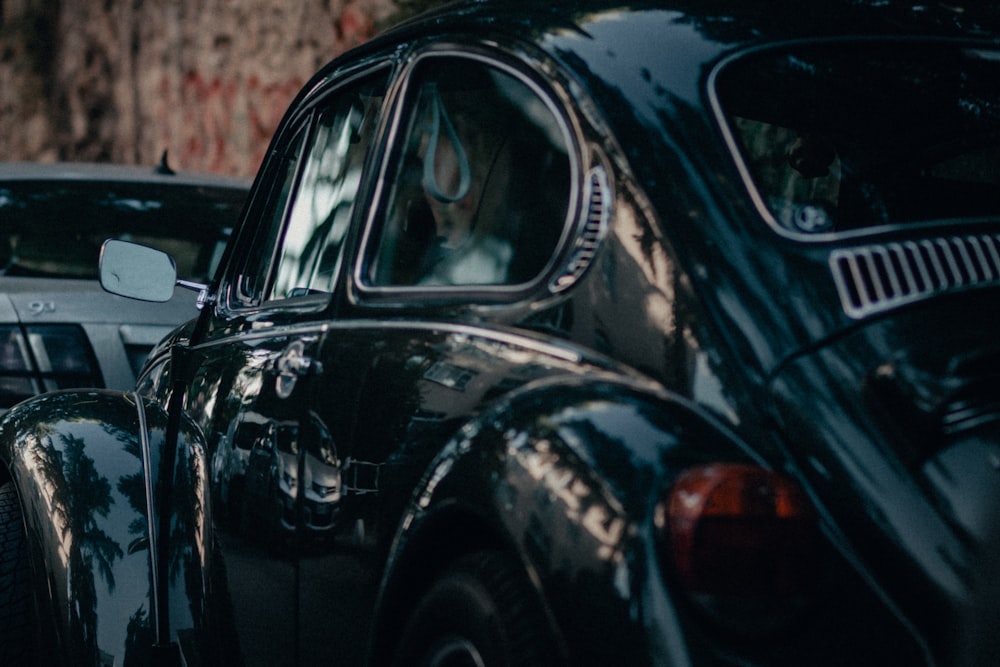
99 532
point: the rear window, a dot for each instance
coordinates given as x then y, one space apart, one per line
848 136
56 228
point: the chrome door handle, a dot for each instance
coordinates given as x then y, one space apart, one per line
290 366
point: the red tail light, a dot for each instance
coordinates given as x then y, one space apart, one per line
736 532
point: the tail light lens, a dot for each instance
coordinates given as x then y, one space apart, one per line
43 358
743 541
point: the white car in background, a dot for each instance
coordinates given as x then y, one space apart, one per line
58 328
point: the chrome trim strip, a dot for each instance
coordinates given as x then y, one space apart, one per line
147 475
318 329
565 353
313 328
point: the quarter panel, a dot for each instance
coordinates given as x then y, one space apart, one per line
391 395
566 472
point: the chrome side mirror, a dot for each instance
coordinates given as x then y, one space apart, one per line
137 271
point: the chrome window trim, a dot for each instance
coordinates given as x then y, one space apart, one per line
399 295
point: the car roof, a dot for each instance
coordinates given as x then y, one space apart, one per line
107 172
730 22
601 38
648 56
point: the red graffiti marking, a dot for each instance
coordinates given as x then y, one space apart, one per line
222 125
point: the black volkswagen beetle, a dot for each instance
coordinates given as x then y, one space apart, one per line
562 334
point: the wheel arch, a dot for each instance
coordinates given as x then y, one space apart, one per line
411 570
581 459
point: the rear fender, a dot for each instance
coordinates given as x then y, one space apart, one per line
85 464
565 475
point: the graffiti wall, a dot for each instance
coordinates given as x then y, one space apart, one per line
205 80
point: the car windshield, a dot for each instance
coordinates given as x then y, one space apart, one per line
847 136
53 228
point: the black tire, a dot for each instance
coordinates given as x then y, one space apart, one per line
479 613
15 642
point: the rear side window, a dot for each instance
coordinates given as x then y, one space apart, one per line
479 184
840 137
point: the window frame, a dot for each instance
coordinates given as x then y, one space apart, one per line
526 71
301 125
321 113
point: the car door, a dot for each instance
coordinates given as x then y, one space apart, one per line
399 376
254 363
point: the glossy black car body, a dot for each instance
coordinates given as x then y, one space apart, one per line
719 387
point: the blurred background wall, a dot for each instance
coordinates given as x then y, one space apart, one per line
207 80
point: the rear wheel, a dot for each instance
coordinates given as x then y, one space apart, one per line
14 601
480 613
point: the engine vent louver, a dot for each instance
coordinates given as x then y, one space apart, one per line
585 248
875 278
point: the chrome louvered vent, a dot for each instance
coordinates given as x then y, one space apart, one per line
875 278
585 248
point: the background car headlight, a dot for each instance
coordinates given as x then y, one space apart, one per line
325 490
289 480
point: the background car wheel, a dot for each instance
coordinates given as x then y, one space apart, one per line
479 613
14 601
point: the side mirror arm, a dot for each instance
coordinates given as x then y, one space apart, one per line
204 297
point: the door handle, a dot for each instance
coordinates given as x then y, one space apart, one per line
290 366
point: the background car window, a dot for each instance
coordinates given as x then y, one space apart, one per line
54 228
480 184
326 191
